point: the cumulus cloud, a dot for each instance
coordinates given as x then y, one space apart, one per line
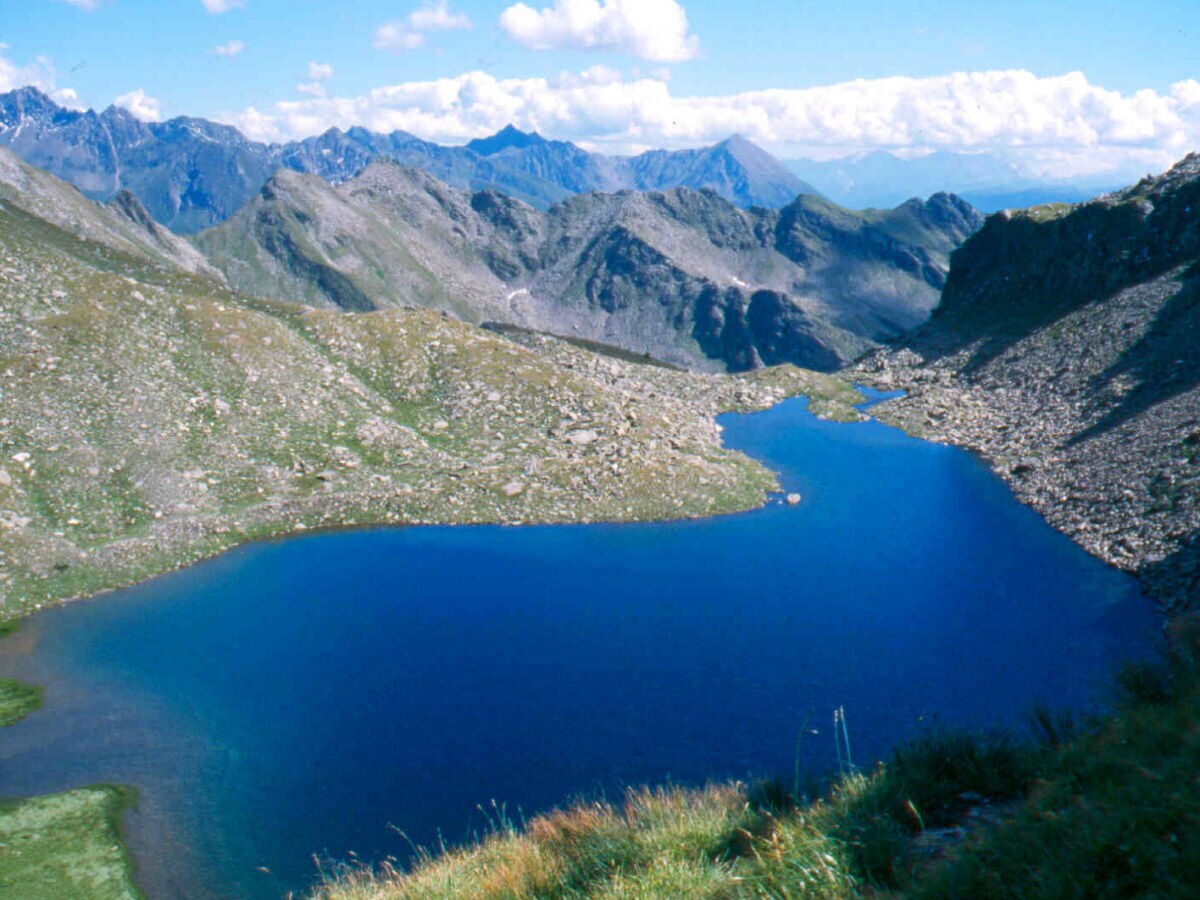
409 33
216 7
319 71
650 29
143 107
229 50
39 74
1061 124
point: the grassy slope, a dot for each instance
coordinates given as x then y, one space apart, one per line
65 846
1110 808
148 419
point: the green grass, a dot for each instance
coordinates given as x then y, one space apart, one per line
17 700
65 846
1047 212
1116 812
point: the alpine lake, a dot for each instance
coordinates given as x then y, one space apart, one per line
362 692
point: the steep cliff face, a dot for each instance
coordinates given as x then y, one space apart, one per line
1067 349
684 275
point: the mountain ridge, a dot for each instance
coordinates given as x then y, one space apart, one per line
191 173
681 275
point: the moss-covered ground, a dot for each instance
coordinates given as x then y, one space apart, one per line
65 846
17 700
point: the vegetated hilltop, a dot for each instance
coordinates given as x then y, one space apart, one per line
148 416
191 173
1067 350
683 276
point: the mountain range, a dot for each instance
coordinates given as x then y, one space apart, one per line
682 275
190 173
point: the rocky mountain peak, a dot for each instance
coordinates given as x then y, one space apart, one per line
507 138
26 102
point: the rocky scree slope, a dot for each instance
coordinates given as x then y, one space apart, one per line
683 276
1067 350
150 417
191 173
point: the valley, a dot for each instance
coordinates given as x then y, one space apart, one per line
248 342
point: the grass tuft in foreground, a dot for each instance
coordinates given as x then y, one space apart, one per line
1116 812
1099 808
724 841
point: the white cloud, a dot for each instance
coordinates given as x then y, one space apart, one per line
396 37
229 50
311 88
143 107
68 98
1061 124
409 33
215 7
39 74
88 5
319 71
437 17
650 29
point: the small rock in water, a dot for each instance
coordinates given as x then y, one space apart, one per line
793 499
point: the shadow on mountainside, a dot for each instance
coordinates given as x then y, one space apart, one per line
1163 364
1176 575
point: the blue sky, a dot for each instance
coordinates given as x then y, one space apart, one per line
632 73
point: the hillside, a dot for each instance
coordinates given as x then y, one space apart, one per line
1065 349
683 276
149 417
123 224
191 173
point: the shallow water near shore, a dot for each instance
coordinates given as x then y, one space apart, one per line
304 696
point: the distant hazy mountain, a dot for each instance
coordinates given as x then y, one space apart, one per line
682 275
988 182
191 173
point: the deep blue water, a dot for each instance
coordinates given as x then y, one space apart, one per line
302 696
